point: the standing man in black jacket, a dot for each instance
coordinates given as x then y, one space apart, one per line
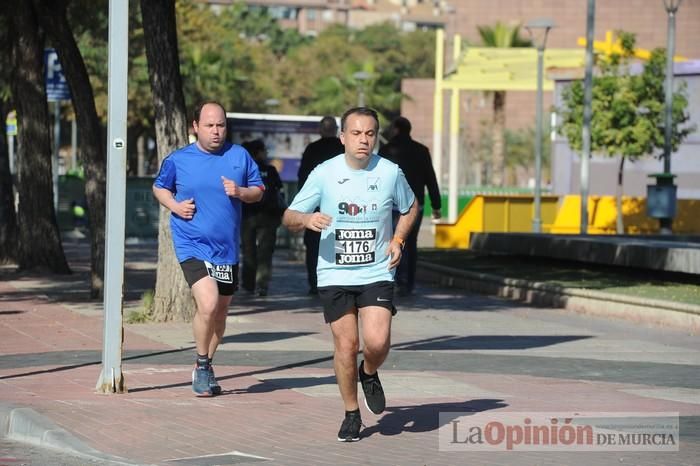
414 160
316 153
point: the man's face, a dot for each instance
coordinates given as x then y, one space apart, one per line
211 129
359 136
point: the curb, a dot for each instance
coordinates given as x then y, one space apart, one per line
26 425
651 311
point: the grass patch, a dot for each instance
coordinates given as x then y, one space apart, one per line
144 314
652 284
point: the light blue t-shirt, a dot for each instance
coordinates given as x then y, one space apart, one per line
353 248
213 233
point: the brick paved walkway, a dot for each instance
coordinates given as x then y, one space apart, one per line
452 352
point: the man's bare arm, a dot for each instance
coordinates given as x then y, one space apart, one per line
406 221
297 221
184 209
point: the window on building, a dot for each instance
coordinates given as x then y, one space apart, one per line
283 12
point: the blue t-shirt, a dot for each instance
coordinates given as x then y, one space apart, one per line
213 233
353 248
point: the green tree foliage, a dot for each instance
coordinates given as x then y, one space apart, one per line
628 109
241 56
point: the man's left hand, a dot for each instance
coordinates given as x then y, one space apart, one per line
230 187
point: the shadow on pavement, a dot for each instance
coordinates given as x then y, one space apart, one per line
425 418
481 342
262 337
287 383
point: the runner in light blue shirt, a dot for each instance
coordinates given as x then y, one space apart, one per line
356 193
360 201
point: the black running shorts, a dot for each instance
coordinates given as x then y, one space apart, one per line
338 300
195 270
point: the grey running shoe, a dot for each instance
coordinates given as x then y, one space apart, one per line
213 384
374 393
350 428
200 381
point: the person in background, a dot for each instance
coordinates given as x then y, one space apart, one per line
415 162
78 215
316 153
260 222
203 185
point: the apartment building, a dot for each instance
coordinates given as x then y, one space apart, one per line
312 16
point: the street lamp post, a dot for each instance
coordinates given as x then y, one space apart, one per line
661 197
539 29
361 77
671 9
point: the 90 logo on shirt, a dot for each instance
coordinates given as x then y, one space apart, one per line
346 208
349 208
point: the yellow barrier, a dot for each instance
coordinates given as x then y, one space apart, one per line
494 213
602 214
513 213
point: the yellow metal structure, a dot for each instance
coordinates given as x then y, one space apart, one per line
610 46
494 213
507 69
602 215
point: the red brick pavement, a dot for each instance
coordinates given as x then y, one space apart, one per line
160 419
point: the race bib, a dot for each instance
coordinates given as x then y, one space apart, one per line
355 247
220 273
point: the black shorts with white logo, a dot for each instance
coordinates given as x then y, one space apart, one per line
196 269
338 300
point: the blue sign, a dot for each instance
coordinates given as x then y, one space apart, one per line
56 85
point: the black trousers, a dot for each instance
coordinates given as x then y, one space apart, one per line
406 271
311 241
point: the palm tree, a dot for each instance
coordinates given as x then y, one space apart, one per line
501 36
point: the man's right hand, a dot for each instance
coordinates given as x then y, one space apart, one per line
317 221
185 209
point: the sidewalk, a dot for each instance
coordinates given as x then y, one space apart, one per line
451 352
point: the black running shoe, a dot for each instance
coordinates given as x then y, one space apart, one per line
374 393
350 428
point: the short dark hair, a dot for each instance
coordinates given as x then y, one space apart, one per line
402 126
254 147
328 126
366 111
198 109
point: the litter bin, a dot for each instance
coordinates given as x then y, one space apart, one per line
661 197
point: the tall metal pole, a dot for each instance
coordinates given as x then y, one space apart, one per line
453 161
111 379
537 219
671 9
437 104
587 116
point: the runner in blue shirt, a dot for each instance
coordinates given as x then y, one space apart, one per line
203 185
356 192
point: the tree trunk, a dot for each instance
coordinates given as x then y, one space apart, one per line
498 135
619 223
52 16
39 238
8 217
173 300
